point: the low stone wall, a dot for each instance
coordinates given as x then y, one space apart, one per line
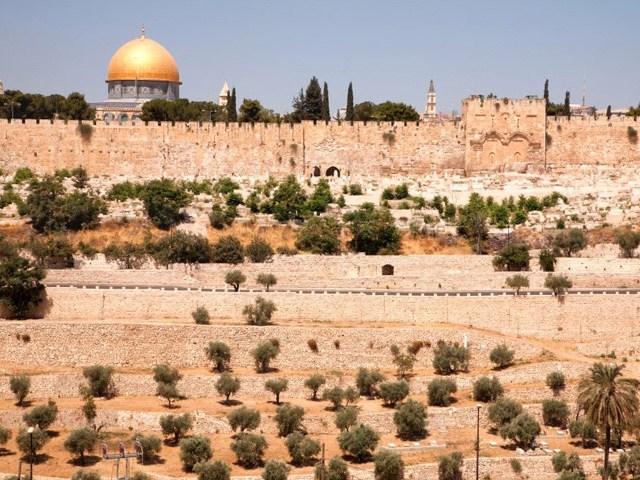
147 345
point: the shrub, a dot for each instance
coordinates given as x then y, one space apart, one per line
523 430
628 241
359 442
555 413
301 448
411 420
547 260
336 469
288 418
516 466
216 470
632 135
259 251
503 410
124 191
450 466
5 435
20 285
22 174
201 316
100 380
260 313
227 385
558 284
449 358
243 419
163 200
517 282
320 235
404 363
367 381
587 432
556 382
42 416
24 440
267 280
275 470
334 395
176 425
439 392
374 231
487 389
313 345
194 450
263 354
54 251
227 250
249 449
502 356
167 378
89 409
127 256
219 354
83 474
313 383
393 392
388 465
277 386
346 418
151 447
219 217
570 241
513 258
81 440
235 278
567 463
225 186
20 386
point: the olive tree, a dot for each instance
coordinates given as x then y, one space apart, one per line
411 420
301 448
264 353
313 383
277 386
235 278
359 442
227 385
267 280
439 392
249 449
288 418
176 425
195 450
244 418
388 465
219 354
20 386
80 441
260 313
393 392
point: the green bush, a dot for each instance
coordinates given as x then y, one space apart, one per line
556 382
517 282
194 450
163 200
84 474
176 425
367 381
260 313
439 392
228 249
264 353
53 251
21 286
127 256
249 449
220 217
267 280
388 465
288 418
570 241
181 247
167 379
411 420
547 260
502 356
487 389
320 235
219 354
449 358
359 442
628 240
522 430
313 383
587 432
201 316
20 386
558 284
336 469
5 435
22 174
275 470
346 418
513 258
41 416
259 251
235 278
503 411
277 386
450 466
374 232
81 441
393 392
301 448
227 385
216 470
555 413
124 191
151 447
37 439
244 418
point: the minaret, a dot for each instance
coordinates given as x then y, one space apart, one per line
430 110
222 97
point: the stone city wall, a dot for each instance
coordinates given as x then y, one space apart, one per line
369 150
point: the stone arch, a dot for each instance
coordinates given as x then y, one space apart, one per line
108 117
316 171
388 269
123 118
333 172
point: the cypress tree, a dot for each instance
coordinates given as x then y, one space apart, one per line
313 100
298 113
326 115
608 112
567 104
350 115
228 106
545 95
232 111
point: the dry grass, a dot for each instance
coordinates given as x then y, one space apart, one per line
277 236
412 245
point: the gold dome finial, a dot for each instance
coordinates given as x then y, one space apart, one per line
142 35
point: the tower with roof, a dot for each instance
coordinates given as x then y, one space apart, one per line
222 97
430 109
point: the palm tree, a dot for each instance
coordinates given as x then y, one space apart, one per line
608 401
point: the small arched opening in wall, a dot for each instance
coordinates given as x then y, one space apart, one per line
316 171
108 118
333 172
387 269
123 118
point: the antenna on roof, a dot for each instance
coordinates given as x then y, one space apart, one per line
142 34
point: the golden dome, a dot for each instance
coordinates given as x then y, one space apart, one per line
143 59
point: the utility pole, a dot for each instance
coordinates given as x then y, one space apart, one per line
322 464
478 444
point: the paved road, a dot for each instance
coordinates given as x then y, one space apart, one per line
346 291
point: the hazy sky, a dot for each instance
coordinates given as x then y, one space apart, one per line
389 49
